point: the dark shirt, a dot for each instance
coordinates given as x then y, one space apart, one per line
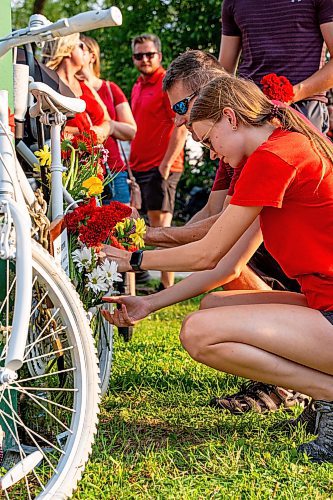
278 36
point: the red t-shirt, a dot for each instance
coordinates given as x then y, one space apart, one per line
93 115
226 177
111 100
155 120
284 176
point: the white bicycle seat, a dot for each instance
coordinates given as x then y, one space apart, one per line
48 100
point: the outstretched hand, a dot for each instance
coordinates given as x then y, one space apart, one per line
122 257
132 310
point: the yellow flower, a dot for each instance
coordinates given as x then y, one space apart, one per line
140 227
137 240
44 156
94 186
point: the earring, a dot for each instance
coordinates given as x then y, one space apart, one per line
234 127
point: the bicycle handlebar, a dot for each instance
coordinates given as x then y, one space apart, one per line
81 22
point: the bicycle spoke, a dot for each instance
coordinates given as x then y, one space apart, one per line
47 411
47 374
48 401
47 354
31 433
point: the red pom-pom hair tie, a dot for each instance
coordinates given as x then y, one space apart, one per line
277 87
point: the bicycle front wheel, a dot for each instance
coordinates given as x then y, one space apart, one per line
48 416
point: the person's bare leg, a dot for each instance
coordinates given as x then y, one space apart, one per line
278 344
243 297
157 218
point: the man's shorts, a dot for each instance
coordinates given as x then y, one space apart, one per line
316 112
265 266
157 193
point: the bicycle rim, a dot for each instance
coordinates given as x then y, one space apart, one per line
103 336
52 407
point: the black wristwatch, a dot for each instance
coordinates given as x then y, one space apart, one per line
136 259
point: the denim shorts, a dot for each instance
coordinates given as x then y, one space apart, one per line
328 315
118 189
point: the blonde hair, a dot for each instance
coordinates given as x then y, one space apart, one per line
54 52
253 108
93 48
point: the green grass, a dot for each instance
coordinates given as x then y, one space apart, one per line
159 439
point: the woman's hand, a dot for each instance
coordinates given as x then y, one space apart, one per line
122 257
132 310
100 133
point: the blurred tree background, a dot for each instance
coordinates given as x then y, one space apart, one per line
181 24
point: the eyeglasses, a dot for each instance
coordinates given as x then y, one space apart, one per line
205 141
181 107
140 55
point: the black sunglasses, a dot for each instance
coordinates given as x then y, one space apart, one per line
139 55
181 107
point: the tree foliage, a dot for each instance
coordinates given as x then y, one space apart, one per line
180 24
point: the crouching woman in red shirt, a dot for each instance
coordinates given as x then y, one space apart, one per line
278 337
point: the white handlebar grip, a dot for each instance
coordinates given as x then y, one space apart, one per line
21 90
92 20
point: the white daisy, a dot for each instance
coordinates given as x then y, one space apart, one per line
109 270
82 258
96 281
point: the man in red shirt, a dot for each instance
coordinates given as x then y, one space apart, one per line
157 152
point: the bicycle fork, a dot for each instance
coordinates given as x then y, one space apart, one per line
15 215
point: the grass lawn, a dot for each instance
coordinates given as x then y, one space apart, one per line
158 438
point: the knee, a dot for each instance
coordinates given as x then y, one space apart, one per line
191 336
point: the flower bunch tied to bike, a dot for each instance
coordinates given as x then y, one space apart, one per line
85 165
90 226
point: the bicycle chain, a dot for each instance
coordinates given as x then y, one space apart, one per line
40 222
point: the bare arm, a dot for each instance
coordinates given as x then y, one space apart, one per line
230 50
169 237
194 230
227 269
175 146
200 255
322 79
125 126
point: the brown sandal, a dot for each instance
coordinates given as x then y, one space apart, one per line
260 398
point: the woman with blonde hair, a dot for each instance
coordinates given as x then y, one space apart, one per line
276 337
66 56
120 112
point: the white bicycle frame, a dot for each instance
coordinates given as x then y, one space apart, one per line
15 190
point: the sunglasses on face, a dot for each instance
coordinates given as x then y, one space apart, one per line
181 107
140 55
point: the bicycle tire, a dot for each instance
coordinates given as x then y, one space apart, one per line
65 398
103 335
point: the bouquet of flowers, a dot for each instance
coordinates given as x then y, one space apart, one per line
85 163
90 226
277 87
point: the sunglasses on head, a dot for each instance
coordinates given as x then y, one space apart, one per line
181 107
139 55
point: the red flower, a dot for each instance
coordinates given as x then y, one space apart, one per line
95 224
277 87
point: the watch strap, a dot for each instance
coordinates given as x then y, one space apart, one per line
136 259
